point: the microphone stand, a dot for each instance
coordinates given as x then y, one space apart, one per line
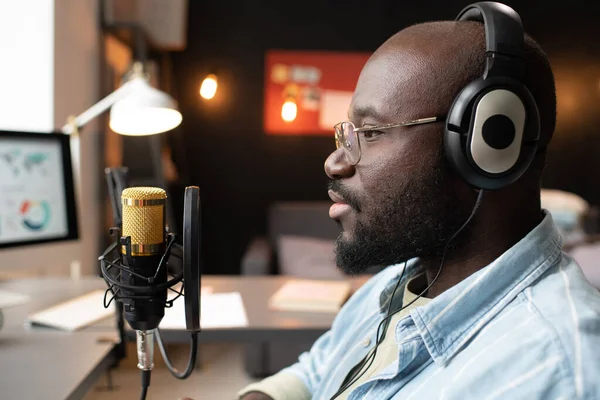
121 348
117 180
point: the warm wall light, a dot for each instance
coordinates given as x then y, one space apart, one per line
208 89
289 110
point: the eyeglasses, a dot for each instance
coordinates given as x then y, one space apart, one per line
346 135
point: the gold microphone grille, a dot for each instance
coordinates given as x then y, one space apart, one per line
144 193
144 218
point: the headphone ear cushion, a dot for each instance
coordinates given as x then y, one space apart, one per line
459 115
485 131
456 133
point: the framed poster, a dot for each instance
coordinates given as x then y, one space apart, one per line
307 92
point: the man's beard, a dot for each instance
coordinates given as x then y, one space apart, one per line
404 221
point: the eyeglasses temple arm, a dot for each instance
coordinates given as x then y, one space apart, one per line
419 121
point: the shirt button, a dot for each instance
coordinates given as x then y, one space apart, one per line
366 342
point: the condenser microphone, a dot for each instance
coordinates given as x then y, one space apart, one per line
143 213
135 268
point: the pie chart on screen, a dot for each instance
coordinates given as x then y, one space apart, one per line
35 214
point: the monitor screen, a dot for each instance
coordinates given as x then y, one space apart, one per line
37 200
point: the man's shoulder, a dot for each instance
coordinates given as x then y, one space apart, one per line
549 333
564 313
566 300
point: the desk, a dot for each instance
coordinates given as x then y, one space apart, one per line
51 365
38 363
59 365
263 324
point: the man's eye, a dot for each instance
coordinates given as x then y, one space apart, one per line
371 134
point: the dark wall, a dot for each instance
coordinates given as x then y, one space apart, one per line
240 170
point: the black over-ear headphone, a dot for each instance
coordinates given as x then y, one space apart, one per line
493 125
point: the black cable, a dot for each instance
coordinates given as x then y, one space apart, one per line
191 361
379 340
371 356
145 383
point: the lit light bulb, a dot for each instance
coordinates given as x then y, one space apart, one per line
208 89
289 110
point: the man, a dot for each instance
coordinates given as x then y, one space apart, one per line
498 312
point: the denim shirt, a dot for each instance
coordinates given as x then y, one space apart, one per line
527 326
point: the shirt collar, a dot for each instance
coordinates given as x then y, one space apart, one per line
448 321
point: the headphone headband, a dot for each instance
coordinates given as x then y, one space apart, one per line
503 28
504 37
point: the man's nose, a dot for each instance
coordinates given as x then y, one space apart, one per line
337 167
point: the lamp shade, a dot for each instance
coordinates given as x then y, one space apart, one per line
144 111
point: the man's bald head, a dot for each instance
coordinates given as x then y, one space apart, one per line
405 199
422 69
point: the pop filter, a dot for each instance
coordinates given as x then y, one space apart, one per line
191 257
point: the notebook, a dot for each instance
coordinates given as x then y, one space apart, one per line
74 314
311 295
217 310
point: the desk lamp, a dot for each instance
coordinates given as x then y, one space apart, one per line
137 109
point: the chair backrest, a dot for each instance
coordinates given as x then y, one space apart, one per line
309 219
308 234
302 237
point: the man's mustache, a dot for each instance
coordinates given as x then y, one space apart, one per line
343 191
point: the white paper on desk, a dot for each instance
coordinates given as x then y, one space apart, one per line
217 310
74 314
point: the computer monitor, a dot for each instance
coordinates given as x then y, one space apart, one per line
38 217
